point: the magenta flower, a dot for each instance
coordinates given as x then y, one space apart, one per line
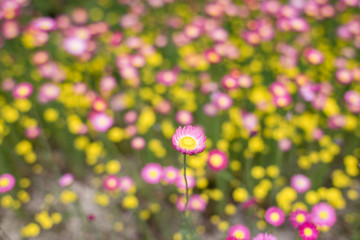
111 183
66 180
171 174
101 122
125 183
7 182
323 214
184 117
197 203
189 140
308 231
152 173
240 232
314 56
138 143
275 216
299 217
222 101
167 77
264 236
300 183
48 92
217 160
23 90
75 46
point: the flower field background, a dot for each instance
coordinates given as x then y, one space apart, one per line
97 98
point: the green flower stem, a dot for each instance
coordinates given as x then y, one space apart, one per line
186 184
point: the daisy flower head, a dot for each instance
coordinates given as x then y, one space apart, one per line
314 56
217 160
75 46
111 182
100 121
323 215
152 173
171 174
308 231
299 217
275 216
126 183
7 182
184 117
300 183
22 90
138 143
66 179
197 203
264 236
189 140
240 232
222 101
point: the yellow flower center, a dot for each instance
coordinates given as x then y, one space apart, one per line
323 215
216 160
300 218
239 234
274 217
188 143
111 183
307 232
153 174
23 91
4 182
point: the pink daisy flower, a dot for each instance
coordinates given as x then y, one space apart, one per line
125 183
111 182
244 81
275 216
23 90
300 183
314 56
308 231
130 117
152 173
138 143
66 180
323 214
7 182
217 160
171 174
284 144
344 76
32 132
264 236
229 82
189 140
167 77
222 101
107 83
75 46
210 109
48 92
44 24
184 117
99 104
101 122
240 232
197 203
212 56
299 217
